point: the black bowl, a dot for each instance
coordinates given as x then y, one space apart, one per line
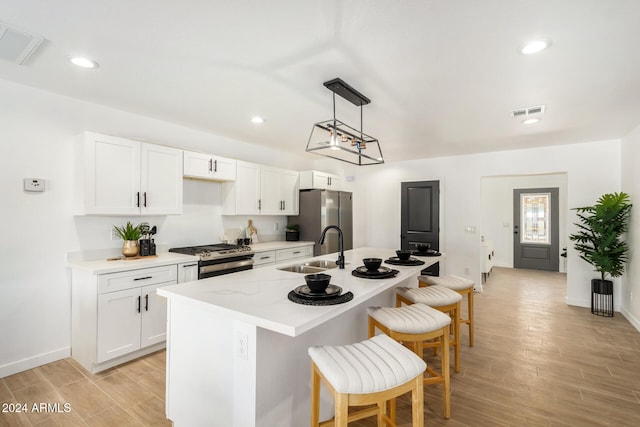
403 254
423 247
372 264
318 282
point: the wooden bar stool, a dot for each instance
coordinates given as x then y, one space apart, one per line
413 325
373 371
441 299
459 284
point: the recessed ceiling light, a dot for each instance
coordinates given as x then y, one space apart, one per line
535 46
257 119
531 121
83 62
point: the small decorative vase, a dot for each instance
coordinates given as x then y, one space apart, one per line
130 248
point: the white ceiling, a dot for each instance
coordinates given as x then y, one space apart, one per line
443 75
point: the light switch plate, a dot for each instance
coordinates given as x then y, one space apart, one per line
34 184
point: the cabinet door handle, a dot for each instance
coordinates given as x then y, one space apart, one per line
145 199
265 257
138 304
138 199
284 205
189 265
142 278
146 302
215 166
210 165
296 252
259 204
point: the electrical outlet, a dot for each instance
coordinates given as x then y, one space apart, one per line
276 226
466 271
242 346
114 235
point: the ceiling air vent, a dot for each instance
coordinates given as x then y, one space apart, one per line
528 111
17 45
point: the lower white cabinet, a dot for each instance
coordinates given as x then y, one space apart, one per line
262 259
129 320
187 272
294 253
118 316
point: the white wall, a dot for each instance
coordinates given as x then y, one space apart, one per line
631 186
38 229
377 206
497 211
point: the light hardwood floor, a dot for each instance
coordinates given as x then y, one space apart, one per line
536 362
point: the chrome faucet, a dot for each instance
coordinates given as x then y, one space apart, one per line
340 260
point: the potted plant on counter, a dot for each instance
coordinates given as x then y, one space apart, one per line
130 234
292 233
599 241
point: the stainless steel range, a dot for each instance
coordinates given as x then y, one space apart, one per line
219 259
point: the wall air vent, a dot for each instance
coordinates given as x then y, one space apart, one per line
17 45
528 111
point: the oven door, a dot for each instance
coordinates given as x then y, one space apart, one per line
219 267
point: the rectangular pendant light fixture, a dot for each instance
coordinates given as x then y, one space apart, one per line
337 140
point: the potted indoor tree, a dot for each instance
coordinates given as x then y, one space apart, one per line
292 233
130 234
599 242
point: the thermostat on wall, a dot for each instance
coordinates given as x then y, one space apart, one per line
34 184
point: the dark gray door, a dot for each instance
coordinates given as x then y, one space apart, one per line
535 229
420 217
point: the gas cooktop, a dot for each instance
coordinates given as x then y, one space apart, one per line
214 251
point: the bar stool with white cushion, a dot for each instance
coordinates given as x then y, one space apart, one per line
459 284
413 325
373 371
439 298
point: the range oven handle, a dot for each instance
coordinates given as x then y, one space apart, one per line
225 266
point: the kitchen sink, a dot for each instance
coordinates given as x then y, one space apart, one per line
302 268
310 267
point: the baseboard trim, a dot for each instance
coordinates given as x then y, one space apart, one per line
635 322
34 362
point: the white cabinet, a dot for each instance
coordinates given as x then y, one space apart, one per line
207 166
310 180
289 254
486 259
118 316
118 176
264 258
187 272
261 190
279 191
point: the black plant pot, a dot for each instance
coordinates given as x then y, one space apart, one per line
602 297
292 236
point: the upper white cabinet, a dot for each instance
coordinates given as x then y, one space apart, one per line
118 176
320 180
207 166
279 191
261 190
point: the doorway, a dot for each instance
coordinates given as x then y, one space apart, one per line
420 217
535 229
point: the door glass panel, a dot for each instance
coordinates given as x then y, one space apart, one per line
535 218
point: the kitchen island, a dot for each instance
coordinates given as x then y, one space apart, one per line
237 347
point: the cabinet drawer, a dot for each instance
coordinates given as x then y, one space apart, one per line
300 252
136 278
261 258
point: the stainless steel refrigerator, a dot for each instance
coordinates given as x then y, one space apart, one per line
320 208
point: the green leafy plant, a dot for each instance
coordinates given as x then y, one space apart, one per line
129 231
293 227
599 238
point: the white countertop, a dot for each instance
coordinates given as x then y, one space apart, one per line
272 246
102 266
259 296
